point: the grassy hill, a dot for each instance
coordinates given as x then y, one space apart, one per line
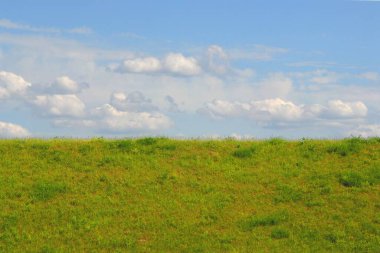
162 195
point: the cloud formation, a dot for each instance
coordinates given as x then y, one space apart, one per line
65 85
114 120
124 113
173 63
140 65
338 108
181 65
369 130
213 74
59 105
12 84
9 130
278 110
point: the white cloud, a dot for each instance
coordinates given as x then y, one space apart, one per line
12 84
9 130
241 137
179 64
41 59
274 109
313 111
371 130
263 110
278 110
172 63
219 109
140 65
114 120
217 59
64 85
59 105
131 112
338 108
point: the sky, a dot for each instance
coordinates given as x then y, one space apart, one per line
189 69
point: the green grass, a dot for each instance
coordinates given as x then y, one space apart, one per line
47 190
279 233
163 195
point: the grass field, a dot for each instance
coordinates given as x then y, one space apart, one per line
163 195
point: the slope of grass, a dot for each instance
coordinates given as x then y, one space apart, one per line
162 195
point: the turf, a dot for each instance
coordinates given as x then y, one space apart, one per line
163 195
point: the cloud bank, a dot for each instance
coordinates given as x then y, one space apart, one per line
278 110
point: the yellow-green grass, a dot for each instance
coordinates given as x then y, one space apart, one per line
163 195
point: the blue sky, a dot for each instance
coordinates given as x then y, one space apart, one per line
248 69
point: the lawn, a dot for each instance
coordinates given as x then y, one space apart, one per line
164 195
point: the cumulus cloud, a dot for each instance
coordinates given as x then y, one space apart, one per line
125 112
131 112
12 84
179 64
216 60
219 109
338 108
41 59
65 85
9 130
173 63
59 105
114 120
61 102
277 110
274 109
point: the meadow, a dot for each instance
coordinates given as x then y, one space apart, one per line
165 195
